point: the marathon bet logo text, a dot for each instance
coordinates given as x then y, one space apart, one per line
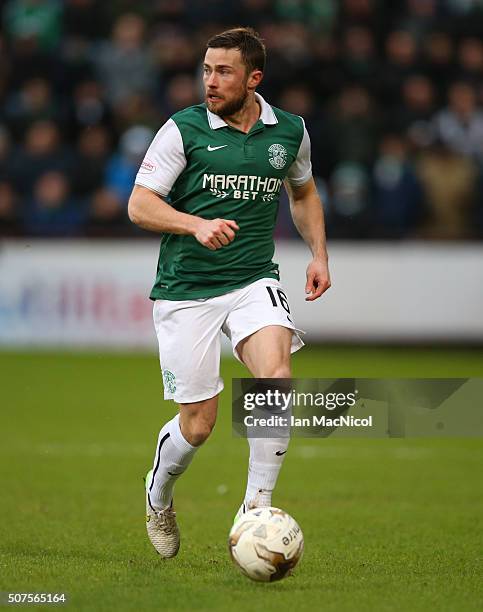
242 186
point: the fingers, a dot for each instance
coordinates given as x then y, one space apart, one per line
217 233
316 293
231 223
316 287
222 239
309 286
223 233
218 242
228 233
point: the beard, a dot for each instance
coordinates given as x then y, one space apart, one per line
227 109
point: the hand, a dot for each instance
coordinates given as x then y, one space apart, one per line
215 233
318 279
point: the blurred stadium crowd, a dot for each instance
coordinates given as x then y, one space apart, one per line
392 94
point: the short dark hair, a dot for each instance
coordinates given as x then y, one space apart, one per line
247 41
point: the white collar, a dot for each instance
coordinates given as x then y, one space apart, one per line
267 115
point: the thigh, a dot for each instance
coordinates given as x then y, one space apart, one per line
266 353
188 334
261 306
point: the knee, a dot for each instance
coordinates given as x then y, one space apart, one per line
196 431
276 371
197 420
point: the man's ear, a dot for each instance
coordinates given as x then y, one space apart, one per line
254 79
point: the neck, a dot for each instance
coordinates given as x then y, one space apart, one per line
247 116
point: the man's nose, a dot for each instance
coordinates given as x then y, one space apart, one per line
212 80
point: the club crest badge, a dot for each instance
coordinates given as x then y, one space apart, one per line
277 156
169 380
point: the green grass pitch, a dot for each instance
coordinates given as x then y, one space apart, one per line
388 524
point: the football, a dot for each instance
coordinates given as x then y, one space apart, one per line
266 544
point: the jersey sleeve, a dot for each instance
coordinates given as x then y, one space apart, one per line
301 169
164 161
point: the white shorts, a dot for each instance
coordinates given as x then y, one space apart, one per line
189 335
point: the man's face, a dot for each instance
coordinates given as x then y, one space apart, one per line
226 81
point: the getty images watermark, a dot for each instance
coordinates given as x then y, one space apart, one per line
266 408
281 405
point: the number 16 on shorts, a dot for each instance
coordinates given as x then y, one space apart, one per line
279 298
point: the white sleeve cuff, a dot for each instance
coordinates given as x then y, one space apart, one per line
159 189
301 169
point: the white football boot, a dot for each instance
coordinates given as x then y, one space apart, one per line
161 526
241 511
259 501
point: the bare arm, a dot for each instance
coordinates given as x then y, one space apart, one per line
151 212
308 217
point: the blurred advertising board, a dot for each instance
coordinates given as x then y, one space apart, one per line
94 293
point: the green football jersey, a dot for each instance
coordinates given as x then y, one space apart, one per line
204 167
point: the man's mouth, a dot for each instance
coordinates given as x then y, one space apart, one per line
214 98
